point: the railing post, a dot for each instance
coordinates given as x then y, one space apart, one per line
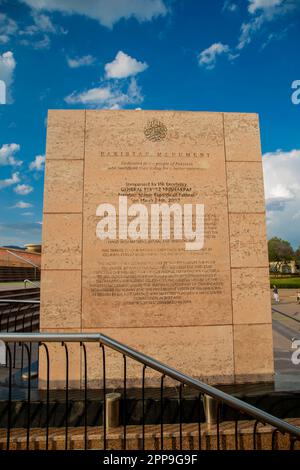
112 404
210 406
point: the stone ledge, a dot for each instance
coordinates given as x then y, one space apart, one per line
190 437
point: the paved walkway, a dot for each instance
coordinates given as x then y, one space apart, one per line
285 330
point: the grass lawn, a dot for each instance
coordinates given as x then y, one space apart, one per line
13 285
286 283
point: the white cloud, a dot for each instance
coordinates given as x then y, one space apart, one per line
229 6
23 189
7 67
37 34
282 192
42 23
263 5
124 66
248 29
113 93
38 163
43 43
8 155
111 96
262 12
22 205
275 37
14 179
281 172
80 61
208 57
105 12
8 28
93 96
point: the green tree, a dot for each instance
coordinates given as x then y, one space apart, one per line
280 250
297 256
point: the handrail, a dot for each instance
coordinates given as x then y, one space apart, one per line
31 282
23 259
20 301
285 315
217 394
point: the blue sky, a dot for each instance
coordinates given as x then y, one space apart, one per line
236 55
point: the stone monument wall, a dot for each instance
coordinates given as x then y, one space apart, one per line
203 307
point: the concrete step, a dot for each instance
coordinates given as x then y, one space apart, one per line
190 437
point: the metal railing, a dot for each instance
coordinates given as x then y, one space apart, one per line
28 281
240 408
24 259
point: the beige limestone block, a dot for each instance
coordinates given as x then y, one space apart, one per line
65 134
123 130
58 362
253 352
204 352
63 190
245 187
242 139
62 235
61 307
248 242
250 295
